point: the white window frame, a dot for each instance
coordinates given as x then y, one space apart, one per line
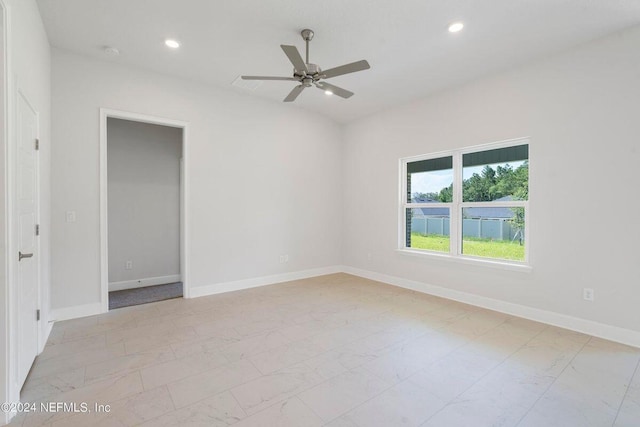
456 207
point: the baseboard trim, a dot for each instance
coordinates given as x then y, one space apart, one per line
589 327
141 283
75 312
255 282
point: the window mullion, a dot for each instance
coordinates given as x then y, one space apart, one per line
527 235
404 201
455 212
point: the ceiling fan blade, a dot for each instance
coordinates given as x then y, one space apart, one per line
294 93
346 69
268 78
343 93
295 58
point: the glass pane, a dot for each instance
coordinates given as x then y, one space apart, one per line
496 175
428 228
496 232
430 181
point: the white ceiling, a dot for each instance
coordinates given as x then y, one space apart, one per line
406 41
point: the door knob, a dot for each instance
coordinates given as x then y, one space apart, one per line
21 255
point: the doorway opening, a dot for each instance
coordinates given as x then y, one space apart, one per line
142 177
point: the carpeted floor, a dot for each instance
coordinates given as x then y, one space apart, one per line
129 297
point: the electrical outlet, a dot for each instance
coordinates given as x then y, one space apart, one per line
284 258
588 294
128 265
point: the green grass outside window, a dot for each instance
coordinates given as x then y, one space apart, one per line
498 249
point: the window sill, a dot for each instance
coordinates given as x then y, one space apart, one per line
501 265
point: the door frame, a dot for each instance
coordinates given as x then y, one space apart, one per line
106 113
9 391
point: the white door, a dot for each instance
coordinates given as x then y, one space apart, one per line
25 227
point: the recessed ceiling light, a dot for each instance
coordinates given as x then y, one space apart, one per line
172 43
328 92
111 51
455 27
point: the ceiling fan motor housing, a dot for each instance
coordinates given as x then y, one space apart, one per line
313 72
313 69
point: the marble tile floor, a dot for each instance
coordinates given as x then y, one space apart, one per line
335 350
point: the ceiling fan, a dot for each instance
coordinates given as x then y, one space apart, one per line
308 74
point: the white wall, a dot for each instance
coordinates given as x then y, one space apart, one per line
264 179
581 110
29 72
144 201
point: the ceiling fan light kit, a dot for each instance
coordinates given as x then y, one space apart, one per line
308 74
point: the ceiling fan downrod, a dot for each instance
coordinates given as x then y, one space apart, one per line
307 35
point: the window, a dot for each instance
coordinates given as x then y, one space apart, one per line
470 203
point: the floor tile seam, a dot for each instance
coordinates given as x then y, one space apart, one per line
305 338
152 348
177 320
80 353
453 320
510 317
160 333
202 337
400 382
174 356
303 389
113 377
129 371
554 381
228 362
175 409
82 322
275 401
133 322
373 397
458 347
309 408
626 392
488 372
336 348
40 399
437 359
235 399
67 342
84 375
468 341
208 396
45 378
62 372
390 386
170 346
200 341
127 398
